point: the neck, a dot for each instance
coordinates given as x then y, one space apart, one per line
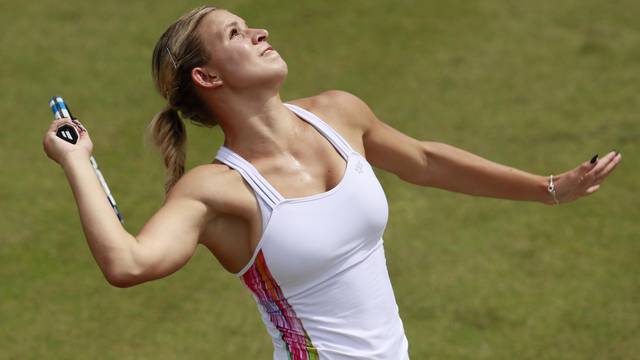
256 125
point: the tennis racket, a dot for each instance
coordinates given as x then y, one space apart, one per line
70 134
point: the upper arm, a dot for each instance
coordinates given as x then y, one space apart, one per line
385 147
169 239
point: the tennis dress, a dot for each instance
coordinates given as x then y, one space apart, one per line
319 273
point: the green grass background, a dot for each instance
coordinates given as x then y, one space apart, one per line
538 85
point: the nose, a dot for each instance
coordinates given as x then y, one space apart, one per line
260 35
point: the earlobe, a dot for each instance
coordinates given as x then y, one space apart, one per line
203 78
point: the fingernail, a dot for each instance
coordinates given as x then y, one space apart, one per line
594 158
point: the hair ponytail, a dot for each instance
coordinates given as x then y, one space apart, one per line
168 133
178 50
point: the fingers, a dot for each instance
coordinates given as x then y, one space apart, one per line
609 168
589 164
605 166
55 124
593 189
601 164
79 125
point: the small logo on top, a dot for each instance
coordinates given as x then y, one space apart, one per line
359 167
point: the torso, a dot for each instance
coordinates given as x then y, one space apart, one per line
317 167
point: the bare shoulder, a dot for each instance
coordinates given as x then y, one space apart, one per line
216 185
343 111
338 105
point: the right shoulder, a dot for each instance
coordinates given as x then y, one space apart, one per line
218 186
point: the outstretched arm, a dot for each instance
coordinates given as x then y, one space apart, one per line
435 164
454 169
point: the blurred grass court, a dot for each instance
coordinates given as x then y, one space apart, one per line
537 85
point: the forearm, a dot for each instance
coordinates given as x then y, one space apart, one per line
108 241
457 170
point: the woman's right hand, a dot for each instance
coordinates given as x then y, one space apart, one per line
60 150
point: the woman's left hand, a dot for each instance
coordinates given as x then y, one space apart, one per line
585 179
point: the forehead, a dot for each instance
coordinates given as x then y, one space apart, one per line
217 21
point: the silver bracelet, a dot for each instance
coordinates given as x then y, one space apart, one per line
552 190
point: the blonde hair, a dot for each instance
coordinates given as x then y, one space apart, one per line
176 53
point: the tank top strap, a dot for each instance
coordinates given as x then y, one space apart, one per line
257 182
332 135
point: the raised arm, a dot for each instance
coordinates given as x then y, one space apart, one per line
435 164
165 243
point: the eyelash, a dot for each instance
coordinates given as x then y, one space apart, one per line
234 32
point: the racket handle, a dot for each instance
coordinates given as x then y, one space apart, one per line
65 132
68 133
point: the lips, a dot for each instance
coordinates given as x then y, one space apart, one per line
268 48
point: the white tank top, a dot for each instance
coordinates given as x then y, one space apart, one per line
318 273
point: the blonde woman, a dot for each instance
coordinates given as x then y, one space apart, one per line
291 204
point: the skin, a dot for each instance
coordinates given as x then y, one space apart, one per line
213 206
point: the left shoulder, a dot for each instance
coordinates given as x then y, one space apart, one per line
384 147
339 106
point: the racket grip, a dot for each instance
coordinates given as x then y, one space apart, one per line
68 133
65 132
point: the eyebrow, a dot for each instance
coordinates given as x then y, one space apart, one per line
233 23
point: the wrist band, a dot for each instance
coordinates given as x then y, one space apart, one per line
552 190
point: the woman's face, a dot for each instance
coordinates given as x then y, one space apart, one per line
241 56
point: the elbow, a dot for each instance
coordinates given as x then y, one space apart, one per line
121 270
122 279
119 281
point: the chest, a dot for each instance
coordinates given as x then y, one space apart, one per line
312 168
315 168
311 238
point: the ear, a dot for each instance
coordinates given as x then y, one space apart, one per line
204 78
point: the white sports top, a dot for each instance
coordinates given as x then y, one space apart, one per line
319 273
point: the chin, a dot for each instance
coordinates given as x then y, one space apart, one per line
270 76
284 71
274 76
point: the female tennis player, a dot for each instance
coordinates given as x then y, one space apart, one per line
291 204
